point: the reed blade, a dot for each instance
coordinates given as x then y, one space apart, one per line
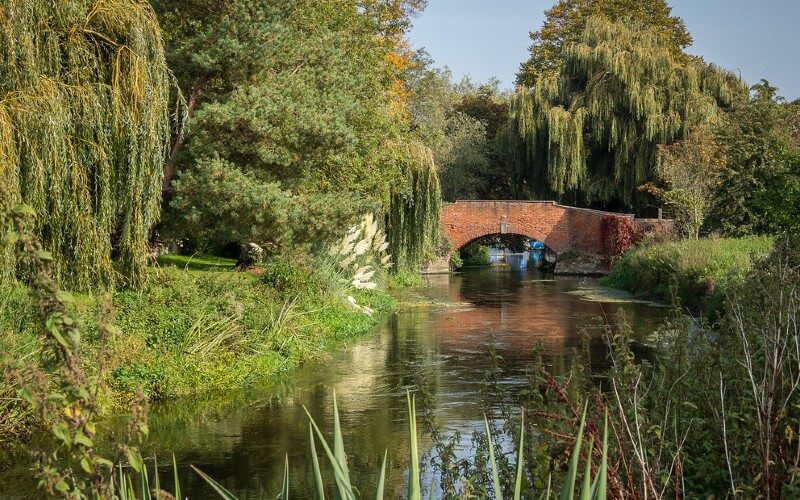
414 492
318 485
339 475
498 490
520 459
285 488
586 485
221 491
568 489
175 476
382 478
600 486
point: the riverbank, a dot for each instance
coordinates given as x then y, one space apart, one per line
198 328
697 273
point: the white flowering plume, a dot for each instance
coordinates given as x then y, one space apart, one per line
361 249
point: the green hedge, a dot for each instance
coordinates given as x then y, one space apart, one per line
696 272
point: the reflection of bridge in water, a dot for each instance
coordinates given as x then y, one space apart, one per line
521 309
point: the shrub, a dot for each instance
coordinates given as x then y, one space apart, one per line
618 235
287 277
696 272
475 255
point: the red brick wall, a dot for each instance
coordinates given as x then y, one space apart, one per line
559 227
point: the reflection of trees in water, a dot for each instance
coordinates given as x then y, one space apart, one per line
461 362
489 287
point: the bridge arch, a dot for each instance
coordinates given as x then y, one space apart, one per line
499 236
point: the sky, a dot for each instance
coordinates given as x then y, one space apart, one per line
489 38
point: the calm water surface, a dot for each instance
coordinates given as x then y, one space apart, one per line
439 341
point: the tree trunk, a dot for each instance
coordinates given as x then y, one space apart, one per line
180 140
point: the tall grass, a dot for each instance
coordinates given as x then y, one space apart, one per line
590 488
697 272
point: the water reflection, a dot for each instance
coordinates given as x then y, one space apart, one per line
242 442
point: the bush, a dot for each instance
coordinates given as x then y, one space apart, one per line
475 255
618 234
696 272
217 203
288 277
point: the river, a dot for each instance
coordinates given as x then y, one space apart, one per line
443 340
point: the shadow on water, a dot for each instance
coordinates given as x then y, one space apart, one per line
444 350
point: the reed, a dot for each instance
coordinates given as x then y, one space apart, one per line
343 488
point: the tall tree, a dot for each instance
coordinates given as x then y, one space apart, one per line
589 134
459 122
761 147
212 48
414 206
84 122
316 107
564 24
690 170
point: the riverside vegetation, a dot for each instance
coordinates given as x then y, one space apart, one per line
251 137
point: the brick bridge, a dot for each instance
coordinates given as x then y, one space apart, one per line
559 227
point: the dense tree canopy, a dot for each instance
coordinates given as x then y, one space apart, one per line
759 180
690 171
460 123
590 132
314 108
564 24
84 124
413 213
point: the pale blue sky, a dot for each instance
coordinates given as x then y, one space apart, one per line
484 38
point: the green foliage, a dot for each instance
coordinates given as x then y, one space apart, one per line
292 152
698 273
781 203
565 21
590 133
57 384
413 215
287 277
405 279
463 158
475 255
712 411
84 123
690 168
760 168
212 46
460 123
215 202
192 333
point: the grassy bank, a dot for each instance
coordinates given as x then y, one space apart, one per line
199 327
696 272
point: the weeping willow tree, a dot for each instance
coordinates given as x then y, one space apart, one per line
590 132
84 125
414 206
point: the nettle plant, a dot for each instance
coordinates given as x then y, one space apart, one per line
359 255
